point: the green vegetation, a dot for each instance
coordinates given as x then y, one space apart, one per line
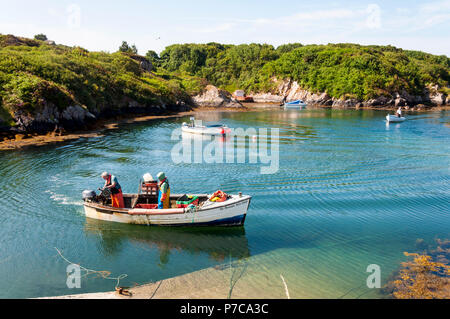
127 49
153 57
34 74
226 66
341 70
41 37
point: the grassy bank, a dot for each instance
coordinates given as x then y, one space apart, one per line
35 74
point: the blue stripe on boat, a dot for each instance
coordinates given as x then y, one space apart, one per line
230 221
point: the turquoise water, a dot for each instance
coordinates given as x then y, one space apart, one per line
350 191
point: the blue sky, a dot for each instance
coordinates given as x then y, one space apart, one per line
102 25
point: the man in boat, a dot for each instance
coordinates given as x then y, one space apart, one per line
399 112
112 183
164 191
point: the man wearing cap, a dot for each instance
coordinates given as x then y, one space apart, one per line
164 191
112 183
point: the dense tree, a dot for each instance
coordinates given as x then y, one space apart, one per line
127 49
153 57
344 69
284 48
41 37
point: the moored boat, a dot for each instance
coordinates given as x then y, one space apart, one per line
142 209
394 118
195 127
294 104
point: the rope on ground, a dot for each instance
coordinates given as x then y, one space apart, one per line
154 292
105 274
239 275
285 287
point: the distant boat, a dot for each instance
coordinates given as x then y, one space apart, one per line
195 127
394 118
239 95
298 104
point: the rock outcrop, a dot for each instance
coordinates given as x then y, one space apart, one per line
76 113
437 98
289 90
214 97
144 63
267 98
48 118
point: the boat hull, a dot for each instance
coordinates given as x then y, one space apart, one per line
295 105
229 213
204 130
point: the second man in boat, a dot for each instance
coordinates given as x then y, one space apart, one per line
164 191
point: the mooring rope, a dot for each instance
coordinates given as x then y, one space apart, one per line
103 273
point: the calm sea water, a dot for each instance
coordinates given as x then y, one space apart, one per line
350 191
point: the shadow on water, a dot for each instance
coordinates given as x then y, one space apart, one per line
218 243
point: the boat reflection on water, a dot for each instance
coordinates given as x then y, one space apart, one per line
219 243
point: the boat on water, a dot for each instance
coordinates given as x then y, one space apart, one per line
394 118
298 104
196 127
185 210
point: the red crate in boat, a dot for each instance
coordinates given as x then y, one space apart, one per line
150 188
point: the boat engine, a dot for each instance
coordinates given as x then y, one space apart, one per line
89 195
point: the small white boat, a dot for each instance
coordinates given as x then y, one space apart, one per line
196 127
141 209
298 104
394 118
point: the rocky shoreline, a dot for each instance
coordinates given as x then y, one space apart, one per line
290 90
52 122
48 118
19 140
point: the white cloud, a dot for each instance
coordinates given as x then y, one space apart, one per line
218 28
364 23
436 6
323 14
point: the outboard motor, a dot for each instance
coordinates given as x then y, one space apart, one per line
89 195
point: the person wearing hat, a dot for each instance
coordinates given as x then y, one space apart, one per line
164 191
112 183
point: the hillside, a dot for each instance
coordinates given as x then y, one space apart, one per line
43 85
343 71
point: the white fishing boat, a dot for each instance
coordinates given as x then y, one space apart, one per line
142 209
196 127
394 118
